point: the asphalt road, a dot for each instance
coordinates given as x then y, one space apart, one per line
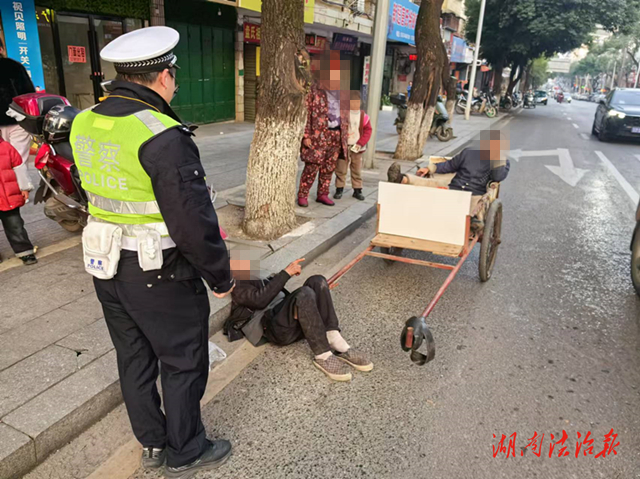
549 344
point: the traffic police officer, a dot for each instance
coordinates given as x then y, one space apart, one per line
142 171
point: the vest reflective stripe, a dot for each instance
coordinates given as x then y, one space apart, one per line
132 229
150 121
124 207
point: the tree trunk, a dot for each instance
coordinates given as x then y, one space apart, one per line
449 85
497 80
426 82
622 76
514 79
280 120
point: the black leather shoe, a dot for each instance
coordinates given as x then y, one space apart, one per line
215 455
338 193
394 173
357 194
29 259
153 457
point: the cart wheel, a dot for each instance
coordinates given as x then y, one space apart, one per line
490 240
392 251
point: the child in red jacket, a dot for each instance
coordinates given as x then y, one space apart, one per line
359 135
12 197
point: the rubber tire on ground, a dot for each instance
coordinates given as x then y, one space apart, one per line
459 108
71 226
491 234
602 133
635 262
392 251
490 111
444 134
593 128
545 103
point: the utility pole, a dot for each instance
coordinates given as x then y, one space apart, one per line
378 50
474 67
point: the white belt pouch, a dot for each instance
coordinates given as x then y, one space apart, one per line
149 249
101 243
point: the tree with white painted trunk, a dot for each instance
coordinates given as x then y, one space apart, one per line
280 119
432 62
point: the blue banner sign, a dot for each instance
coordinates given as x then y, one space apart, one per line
458 50
403 16
345 43
21 37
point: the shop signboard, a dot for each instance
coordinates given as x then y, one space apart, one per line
345 43
366 70
77 54
458 50
403 15
315 43
21 37
256 6
251 33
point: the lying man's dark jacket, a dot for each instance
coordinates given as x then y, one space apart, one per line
473 173
250 300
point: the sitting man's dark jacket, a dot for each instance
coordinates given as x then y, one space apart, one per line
473 171
252 304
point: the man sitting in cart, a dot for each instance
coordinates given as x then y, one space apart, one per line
473 169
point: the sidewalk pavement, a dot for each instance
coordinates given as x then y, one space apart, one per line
57 363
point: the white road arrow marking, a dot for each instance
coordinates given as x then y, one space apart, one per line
628 189
517 154
566 171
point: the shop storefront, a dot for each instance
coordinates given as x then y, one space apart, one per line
70 34
401 52
206 58
251 35
67 60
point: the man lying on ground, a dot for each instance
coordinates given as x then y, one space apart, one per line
263 308
473 169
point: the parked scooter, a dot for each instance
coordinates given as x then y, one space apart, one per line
48 118
439 126
479 104
529 100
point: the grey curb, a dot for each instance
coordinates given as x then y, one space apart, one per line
49 421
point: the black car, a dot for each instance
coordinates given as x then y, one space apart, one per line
618 115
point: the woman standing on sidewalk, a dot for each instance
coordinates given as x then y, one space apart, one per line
326 131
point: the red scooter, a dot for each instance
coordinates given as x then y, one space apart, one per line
48 118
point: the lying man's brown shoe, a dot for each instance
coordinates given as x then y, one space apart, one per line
334 368
394 173
356 359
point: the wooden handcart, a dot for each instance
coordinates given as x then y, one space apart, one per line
438 221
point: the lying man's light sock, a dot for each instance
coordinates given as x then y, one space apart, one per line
337 342
324 356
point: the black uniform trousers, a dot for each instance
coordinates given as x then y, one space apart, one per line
307 312
168 322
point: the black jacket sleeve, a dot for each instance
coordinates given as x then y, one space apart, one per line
450 166
172 161
500 171
22 80
257 295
